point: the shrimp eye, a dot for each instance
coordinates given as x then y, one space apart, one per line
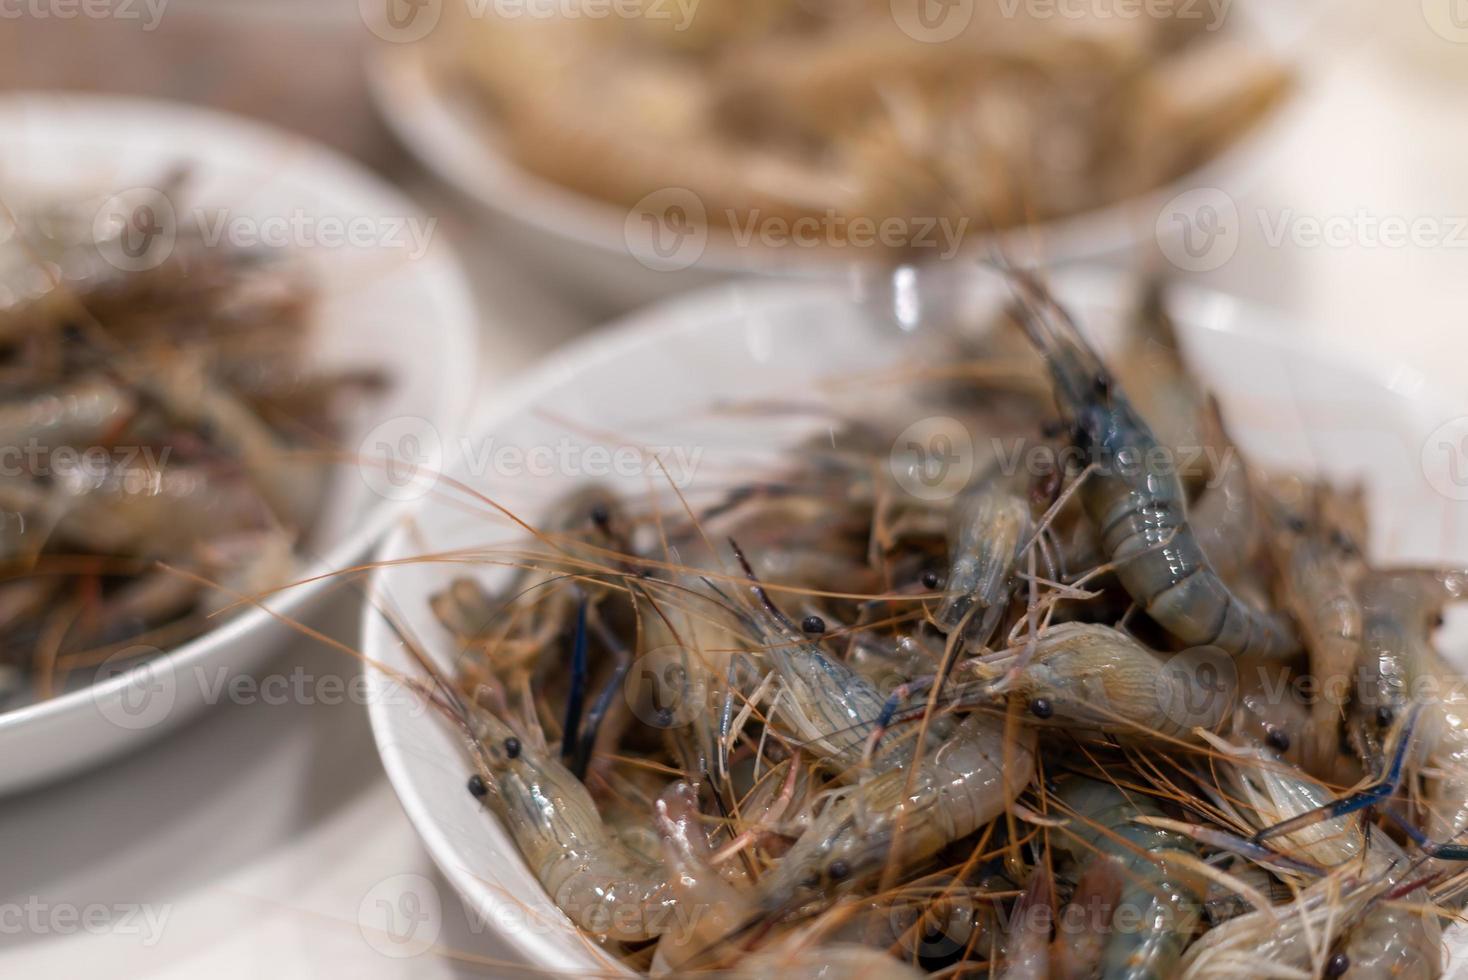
477 789
1346 546
1296 524
600 515
512 747
1041 708
1102 384
1338 965
931 580
1437 621
1384 716
839 870
813 624
1278 738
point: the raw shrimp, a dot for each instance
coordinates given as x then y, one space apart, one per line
989 527
967 781
1400 608
1318 581
1159 894
1091 677
605 887
1135 498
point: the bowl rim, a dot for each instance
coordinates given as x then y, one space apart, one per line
477 168
691 312
457 329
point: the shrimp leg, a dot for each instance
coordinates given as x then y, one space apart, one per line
1389 783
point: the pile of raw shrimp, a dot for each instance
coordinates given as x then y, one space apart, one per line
1148 712
833 110
160 434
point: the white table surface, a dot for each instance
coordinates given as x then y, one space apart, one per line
258 834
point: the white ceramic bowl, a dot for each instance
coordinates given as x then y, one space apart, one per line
596 247
384 308
649 378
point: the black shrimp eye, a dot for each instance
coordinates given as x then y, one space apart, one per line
1296 524
477 789
931 580
1041 708
1102 384
1278 738
1384 716
664 718
839 870
600 515
512 747
1338 965
1437 621
813 624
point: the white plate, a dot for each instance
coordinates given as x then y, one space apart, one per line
648 379
584 241
383 307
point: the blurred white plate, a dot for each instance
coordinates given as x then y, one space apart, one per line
597 247
648 380
402 310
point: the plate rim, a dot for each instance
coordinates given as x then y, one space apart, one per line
457 330
1251 320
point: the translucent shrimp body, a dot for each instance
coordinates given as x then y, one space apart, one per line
1166 901
605 888
1388 940
1136 500
1100 679
903 817
989 526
